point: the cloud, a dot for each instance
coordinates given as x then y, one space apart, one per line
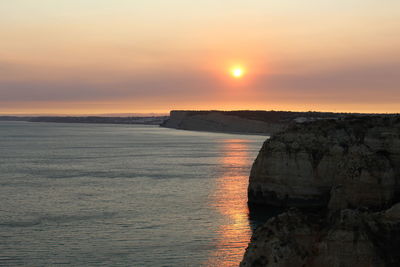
381 81
94 87
371 82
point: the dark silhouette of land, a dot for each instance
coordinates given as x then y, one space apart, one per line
89 119
248 121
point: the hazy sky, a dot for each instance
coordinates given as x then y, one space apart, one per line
102 56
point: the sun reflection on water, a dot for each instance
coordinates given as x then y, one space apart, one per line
230 200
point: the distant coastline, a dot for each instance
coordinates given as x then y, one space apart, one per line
151 120
254 122
247 121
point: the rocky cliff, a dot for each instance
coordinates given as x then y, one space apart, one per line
350 170
351 238
345 163
215 121
254 122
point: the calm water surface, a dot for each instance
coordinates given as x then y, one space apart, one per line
117 195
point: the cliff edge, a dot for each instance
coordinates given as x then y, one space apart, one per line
353 162
348 172
245 121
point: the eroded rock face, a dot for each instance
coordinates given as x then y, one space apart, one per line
341 163
351 169
348 238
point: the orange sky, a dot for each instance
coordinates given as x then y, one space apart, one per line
87 56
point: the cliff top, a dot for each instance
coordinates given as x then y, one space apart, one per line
273 116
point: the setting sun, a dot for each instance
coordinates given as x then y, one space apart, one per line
237 72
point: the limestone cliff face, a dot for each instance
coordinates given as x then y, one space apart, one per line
341 163
350 169
349 238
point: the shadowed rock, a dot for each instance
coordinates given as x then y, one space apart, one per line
350 170
349 238
346 163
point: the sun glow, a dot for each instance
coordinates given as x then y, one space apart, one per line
237 72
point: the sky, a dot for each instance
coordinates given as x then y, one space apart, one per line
130 56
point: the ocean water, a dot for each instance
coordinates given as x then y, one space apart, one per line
122 195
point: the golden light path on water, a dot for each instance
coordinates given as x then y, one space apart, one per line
230 200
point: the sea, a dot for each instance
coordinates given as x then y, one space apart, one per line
123 195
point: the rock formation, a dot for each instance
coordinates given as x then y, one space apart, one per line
215 121
350 238
343 163
350 170
253 122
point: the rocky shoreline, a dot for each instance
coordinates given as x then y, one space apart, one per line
340 181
